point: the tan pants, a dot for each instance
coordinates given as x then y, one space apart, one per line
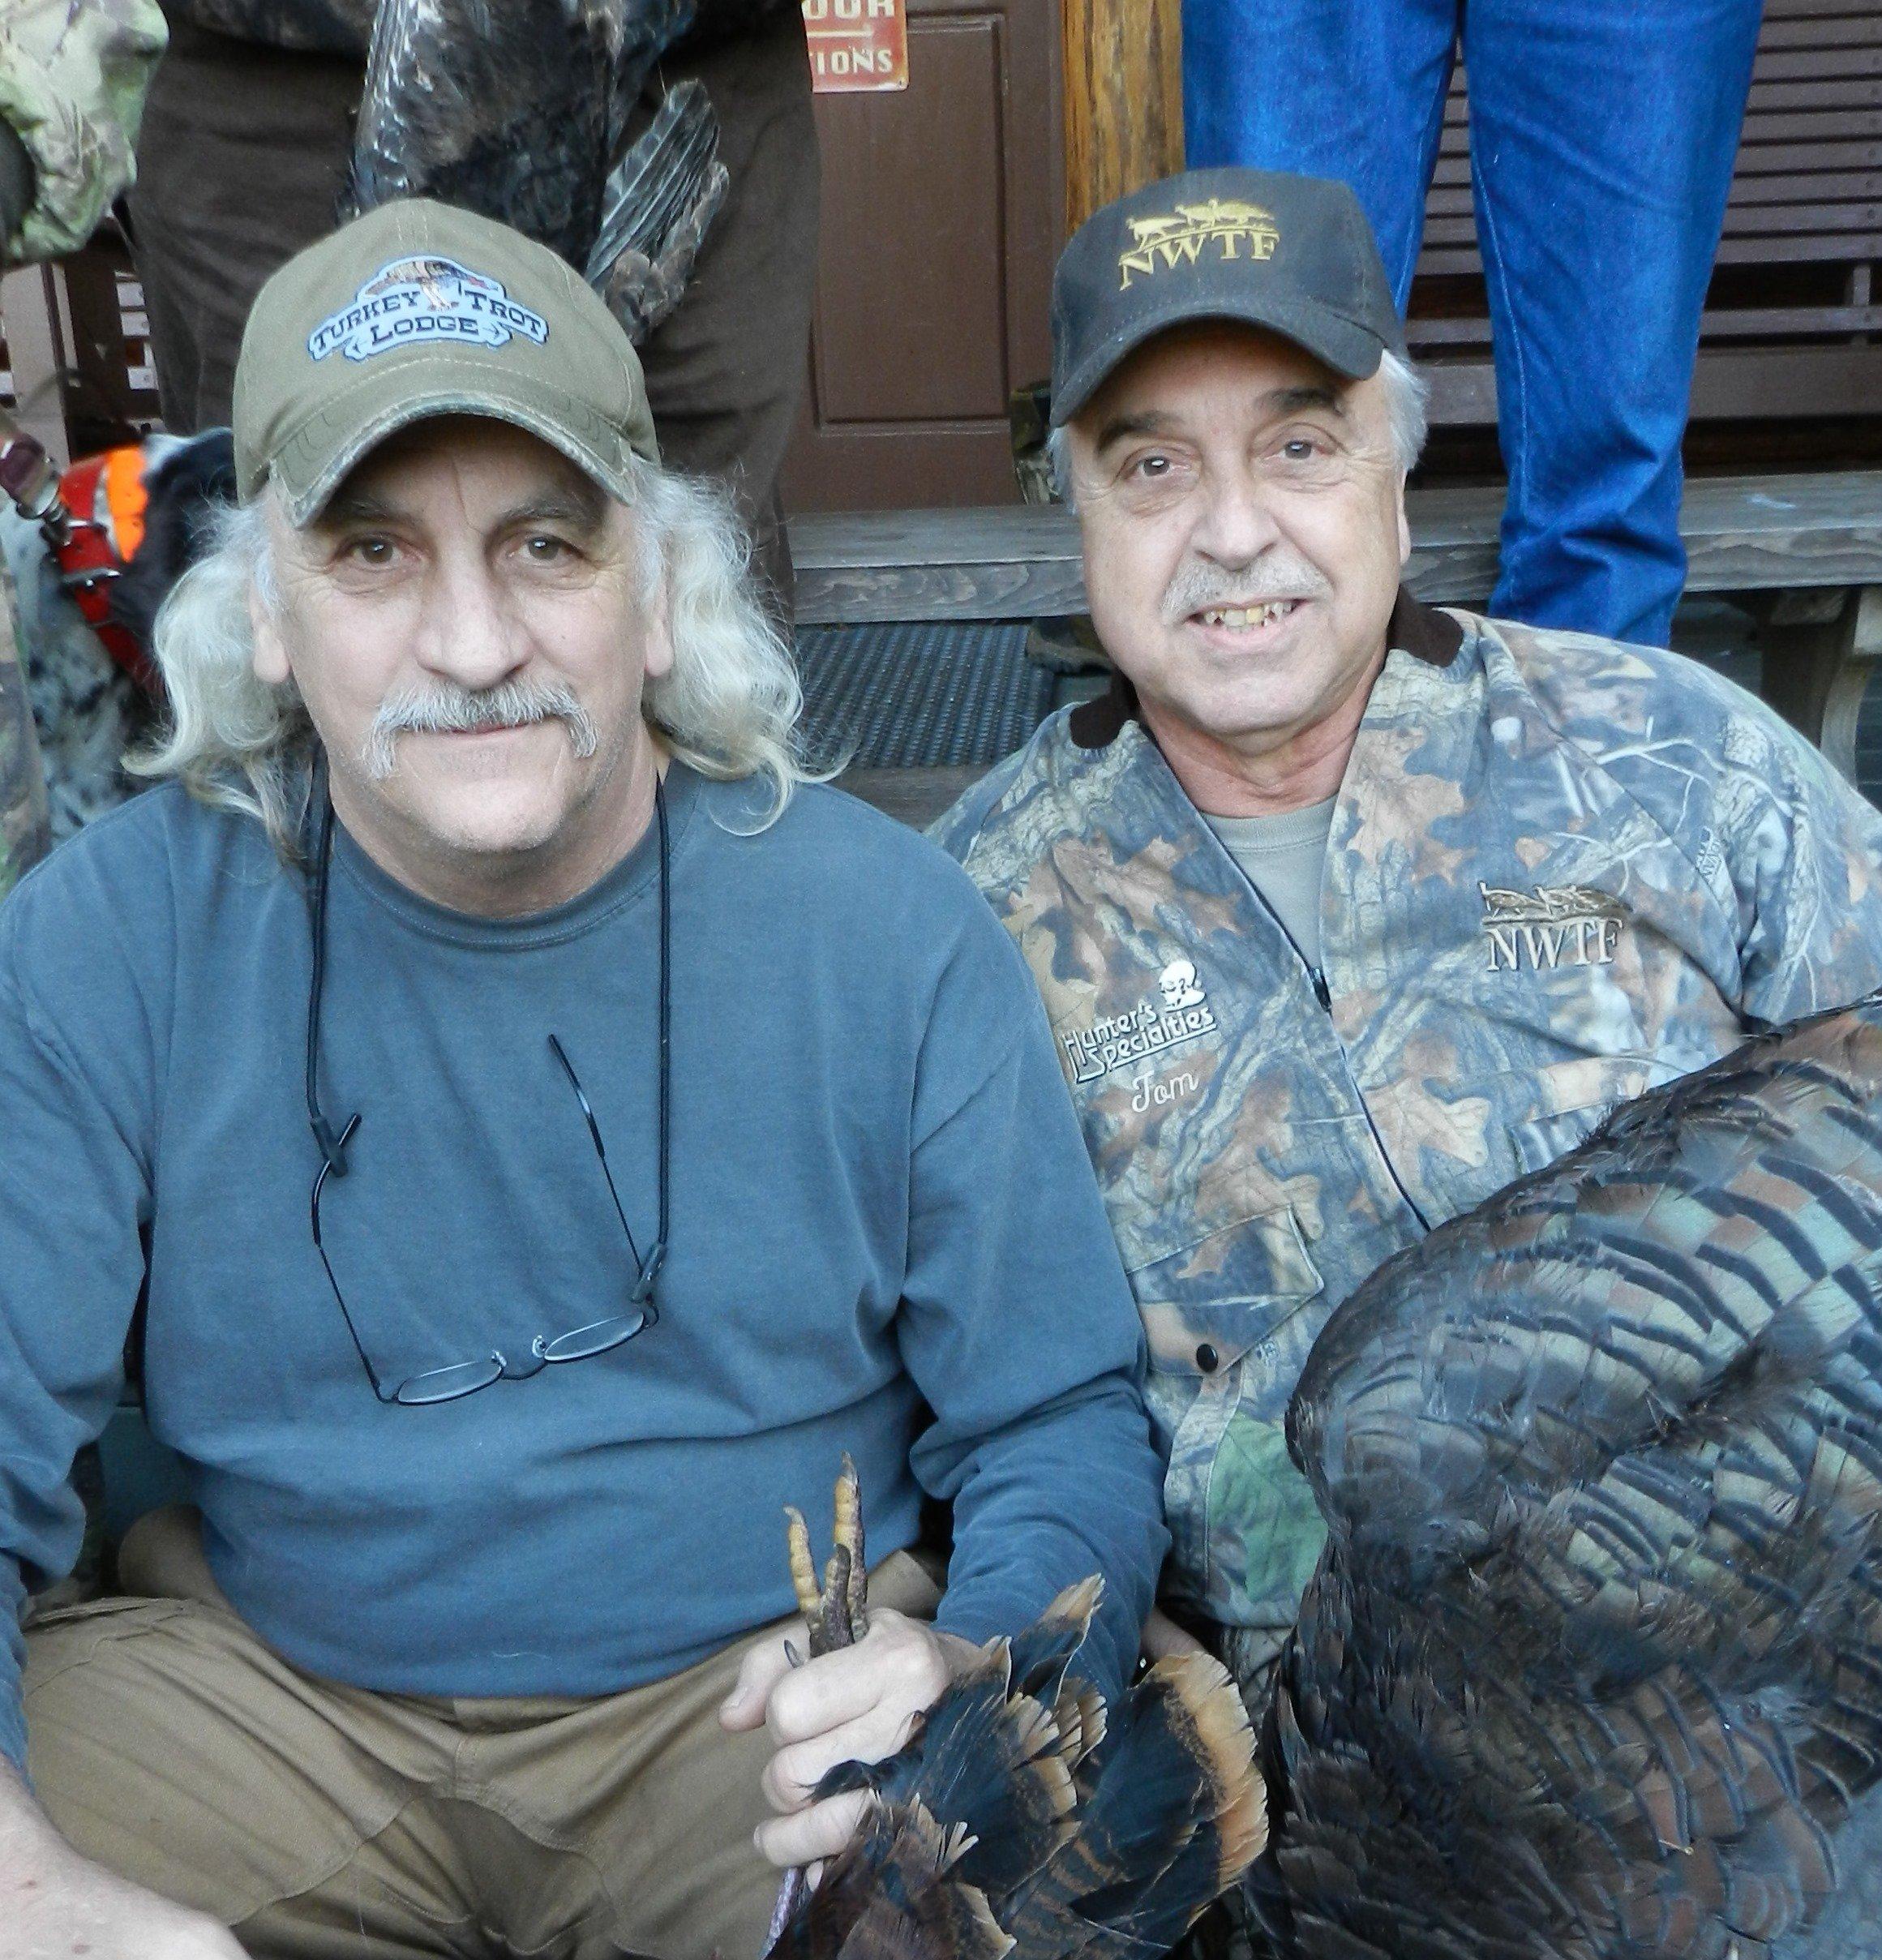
317 1820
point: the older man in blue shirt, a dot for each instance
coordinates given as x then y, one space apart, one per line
546 1134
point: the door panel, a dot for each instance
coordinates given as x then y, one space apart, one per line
941 210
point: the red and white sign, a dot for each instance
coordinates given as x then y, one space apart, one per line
856 46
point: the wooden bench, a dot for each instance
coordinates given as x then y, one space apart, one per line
1806 550
1792 326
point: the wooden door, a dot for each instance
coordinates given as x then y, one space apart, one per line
942 210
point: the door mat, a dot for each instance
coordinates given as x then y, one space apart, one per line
927 695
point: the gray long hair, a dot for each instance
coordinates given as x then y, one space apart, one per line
728 708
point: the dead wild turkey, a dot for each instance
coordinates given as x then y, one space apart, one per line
1592 1665
1022 1818
520 109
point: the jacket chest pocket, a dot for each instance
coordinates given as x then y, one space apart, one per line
1545 1112
1229 1320
1207 1304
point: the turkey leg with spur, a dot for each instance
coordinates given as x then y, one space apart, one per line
836 1613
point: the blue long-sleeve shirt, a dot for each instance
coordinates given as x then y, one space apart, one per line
885 1238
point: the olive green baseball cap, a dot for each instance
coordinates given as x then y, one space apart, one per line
418 309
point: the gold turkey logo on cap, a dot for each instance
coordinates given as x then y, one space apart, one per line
1235 230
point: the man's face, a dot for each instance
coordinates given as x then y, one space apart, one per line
1243 517
467 573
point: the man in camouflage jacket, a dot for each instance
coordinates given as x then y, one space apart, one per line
1557 870
72 79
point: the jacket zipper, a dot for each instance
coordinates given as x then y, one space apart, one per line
1324 995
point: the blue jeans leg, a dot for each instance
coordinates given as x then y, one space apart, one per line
1602 136
1347 89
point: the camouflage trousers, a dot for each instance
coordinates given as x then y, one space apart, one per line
24 821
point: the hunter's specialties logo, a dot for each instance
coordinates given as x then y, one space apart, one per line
425 298
1555 925
1178 1013
1236 231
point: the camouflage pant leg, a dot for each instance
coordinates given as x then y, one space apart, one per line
71 84
24 832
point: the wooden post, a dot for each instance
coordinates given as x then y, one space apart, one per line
1124 99
31 303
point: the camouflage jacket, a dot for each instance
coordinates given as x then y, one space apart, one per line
1561 870
72 77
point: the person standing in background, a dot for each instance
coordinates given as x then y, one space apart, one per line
72 79
247 142
1602 136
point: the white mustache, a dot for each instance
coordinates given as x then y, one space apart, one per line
1199 585
449 709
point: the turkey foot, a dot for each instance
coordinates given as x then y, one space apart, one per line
836 1613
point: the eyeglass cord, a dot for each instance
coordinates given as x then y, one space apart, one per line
333 1146
599 1336
657 1256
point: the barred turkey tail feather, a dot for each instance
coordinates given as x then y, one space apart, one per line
1168 1816
656 180
518 110
1081 1715
1046 1649
992 1759
1007 1815
1235 1802
1602 1468
893 1894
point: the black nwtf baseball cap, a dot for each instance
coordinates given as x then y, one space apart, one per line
1294 255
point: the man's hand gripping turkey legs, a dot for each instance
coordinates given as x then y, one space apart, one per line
856 1697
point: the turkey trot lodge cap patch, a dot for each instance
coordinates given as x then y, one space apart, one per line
425 298
417 309
1292 254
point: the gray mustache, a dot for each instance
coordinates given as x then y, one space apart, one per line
1196 587
453 710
